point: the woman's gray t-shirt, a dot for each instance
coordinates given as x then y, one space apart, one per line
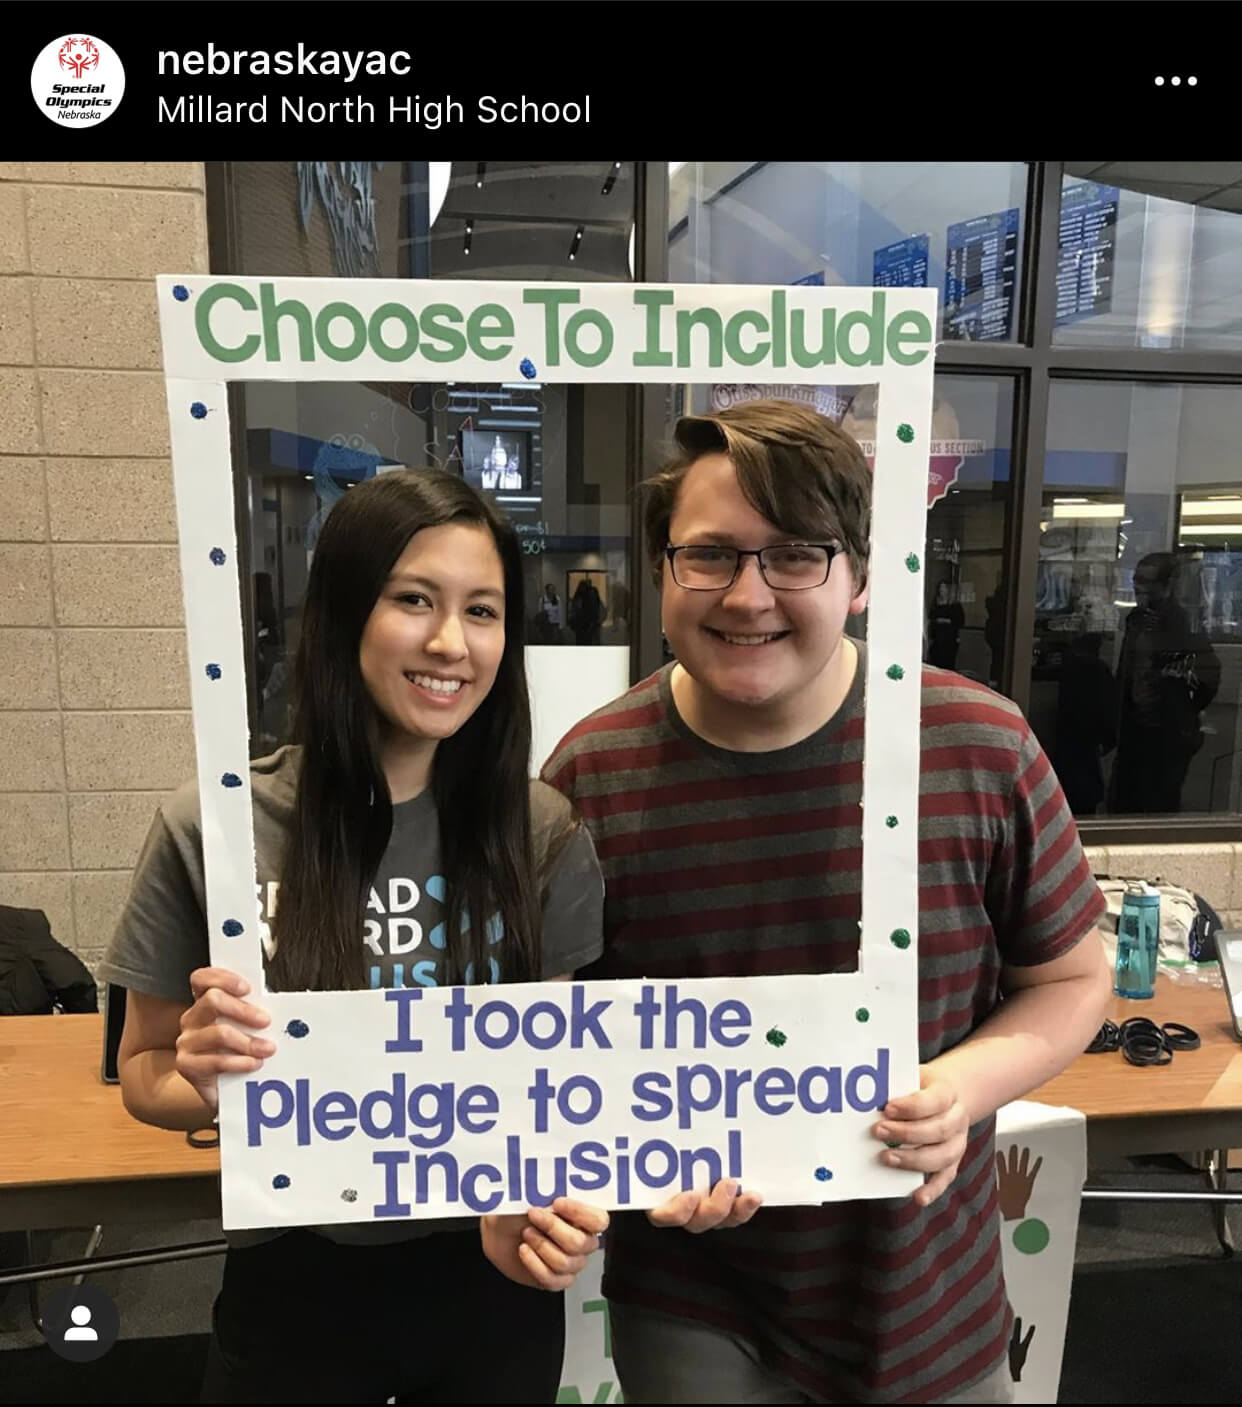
162 934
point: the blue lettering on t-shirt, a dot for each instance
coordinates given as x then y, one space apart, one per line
425 973
422 974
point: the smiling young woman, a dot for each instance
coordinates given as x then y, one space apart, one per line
406 786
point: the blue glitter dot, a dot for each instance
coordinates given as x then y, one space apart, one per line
823 1174
230 779
231 928
280 1181
180 292
297 1029
198 410
213 671
527 368
218 557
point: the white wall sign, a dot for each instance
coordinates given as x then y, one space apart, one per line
776 1080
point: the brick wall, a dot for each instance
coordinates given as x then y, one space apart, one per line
94 721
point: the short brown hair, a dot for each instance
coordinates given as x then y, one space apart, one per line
802 472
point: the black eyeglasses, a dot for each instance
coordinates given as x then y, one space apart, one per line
786 566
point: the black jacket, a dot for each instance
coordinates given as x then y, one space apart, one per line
38 974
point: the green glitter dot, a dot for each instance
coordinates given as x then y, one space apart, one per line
776 1037
1031 1236
905 433
893 1143
890 821
912 561
895 671
901 938
862 1014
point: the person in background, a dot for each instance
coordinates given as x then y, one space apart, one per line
586 613
945 620
994 632
551 606
616 630
1086 722
1167 675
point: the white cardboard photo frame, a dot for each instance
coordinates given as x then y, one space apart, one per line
217 330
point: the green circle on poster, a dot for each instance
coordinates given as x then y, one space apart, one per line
1031 1237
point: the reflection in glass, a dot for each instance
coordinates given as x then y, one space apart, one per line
417 219
554 458
1168 673
1138 598
954 226
968 495
1137 270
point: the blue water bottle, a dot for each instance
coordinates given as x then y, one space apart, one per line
1138 943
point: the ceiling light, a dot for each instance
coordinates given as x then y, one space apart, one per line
1096 511
1210 508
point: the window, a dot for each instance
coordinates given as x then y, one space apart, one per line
558 460
1087 383
1138 601
1148 270
956 226
969 497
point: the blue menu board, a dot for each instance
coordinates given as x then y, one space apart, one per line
1086 250
901 265
981 263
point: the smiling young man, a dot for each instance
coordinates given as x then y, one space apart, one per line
724 796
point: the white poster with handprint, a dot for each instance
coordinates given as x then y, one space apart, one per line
1041 1165
588 1374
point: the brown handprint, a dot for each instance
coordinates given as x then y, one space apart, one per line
1018 1348
1014 1182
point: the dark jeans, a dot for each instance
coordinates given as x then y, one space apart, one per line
302 1319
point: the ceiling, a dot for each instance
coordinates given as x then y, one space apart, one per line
1213 183
520 220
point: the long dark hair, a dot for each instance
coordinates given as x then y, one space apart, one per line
342 815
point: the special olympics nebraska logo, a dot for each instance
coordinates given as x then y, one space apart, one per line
78 54
78 80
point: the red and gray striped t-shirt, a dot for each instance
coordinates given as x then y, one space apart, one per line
722 863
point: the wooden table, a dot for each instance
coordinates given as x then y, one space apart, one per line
70 1153
1191 1105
